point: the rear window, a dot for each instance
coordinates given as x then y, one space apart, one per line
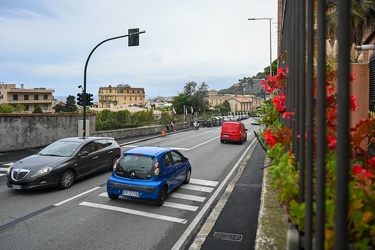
233 127
135 166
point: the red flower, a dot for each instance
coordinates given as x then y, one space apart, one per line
286 115
270 138
279 101
372 161
353 106
332 142
361 172
352 77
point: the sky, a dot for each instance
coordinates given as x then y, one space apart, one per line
46 43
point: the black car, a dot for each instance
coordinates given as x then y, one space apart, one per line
64 161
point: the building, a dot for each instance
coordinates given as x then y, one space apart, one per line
30 98
236 102
122 95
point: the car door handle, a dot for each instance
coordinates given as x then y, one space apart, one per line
95 157
110 152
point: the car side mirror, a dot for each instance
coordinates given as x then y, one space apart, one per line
83 153
185 159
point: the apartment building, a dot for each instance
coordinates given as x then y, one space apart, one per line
236 102
30 98
122 95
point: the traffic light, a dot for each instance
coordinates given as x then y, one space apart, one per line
89 99
80 99
133 39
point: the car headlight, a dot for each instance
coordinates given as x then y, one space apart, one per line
42 171
9 170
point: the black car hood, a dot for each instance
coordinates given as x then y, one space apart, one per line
37 162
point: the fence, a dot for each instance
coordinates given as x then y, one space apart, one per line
298 37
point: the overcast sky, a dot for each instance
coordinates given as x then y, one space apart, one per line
45 43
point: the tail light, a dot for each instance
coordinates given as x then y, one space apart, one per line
157 169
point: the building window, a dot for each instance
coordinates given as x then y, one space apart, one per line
27 108
45 107
130 98
45 97
15 97
26 97
36 97
135 98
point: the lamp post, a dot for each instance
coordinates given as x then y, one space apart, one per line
269 19
133 34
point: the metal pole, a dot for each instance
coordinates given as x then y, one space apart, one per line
84 77
269 19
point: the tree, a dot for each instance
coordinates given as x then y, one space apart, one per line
179 102
362 18
70 104
20 108
37 110
6 108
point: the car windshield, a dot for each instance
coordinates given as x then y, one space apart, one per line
135 166
59 148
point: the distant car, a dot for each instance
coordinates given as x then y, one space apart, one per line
255 121
148 173
64 161
233 132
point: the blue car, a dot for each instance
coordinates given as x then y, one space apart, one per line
148 173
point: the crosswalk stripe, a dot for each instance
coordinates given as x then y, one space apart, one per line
4 169
167 204
2 174
135 212
187 197
203 182
197 188
180 206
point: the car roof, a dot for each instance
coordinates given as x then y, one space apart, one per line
86 139
148 150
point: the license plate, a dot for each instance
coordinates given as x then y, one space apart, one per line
16 186
225 135
130 193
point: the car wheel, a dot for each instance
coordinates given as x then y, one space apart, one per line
221 141
113 196
162 196
188 174
66 179
113 163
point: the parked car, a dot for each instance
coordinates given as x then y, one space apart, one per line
233 132
255 121
148 173
63 162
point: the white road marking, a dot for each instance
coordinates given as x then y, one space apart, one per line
5 169
197 188
187 197
72 198
180 206
208 204
203 182
135 212
167 204
2 174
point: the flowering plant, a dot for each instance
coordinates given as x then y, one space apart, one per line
285 176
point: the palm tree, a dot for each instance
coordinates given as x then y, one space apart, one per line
362 18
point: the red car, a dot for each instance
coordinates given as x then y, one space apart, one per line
233 132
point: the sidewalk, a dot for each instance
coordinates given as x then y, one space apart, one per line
248 215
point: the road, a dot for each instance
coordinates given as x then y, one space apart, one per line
83 217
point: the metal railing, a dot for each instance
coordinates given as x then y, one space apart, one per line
299 34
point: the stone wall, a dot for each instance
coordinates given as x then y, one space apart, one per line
22 131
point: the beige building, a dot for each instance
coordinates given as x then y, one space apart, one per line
30 98
236 102
120 96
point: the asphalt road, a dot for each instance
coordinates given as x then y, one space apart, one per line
83 217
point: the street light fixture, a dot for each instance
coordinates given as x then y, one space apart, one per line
269 19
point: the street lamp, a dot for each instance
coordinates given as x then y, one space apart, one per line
269 19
